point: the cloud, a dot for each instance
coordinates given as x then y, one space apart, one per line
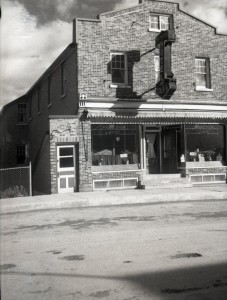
34 33
26 49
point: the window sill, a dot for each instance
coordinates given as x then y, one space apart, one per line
201 89
115 86
22 123
154 30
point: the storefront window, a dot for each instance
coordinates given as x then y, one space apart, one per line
205 142
114 144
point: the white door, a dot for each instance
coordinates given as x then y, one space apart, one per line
66 168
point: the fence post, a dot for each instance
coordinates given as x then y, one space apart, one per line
30 178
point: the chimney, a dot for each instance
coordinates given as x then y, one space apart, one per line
74 31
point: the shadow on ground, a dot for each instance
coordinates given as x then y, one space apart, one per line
170 284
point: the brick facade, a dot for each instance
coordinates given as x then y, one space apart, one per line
127 31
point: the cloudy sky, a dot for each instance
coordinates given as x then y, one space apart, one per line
34 33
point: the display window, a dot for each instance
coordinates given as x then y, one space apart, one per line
114 144
205 142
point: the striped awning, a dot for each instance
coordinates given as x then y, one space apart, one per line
161 117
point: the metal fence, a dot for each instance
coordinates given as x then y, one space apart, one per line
15 182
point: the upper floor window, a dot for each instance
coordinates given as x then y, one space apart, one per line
21 154
63 79
49 91
159 23
202 73
157 68
38 100
22 112
119 68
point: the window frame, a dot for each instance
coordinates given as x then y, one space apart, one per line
206 73
125 69
159 29
22 115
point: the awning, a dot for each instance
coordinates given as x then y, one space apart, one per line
161 117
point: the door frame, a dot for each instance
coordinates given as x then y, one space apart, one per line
73 169
152 129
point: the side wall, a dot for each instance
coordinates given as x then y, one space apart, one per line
39 134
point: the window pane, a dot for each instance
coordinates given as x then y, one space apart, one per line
205 140
66 151
66 162
154 22
201 80
164 23
114 144
118 76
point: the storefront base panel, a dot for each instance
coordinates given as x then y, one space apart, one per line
116 179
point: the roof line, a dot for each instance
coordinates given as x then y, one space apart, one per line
58 60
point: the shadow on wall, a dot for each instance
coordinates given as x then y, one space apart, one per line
198 282
116 68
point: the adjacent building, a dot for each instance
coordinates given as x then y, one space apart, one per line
140 93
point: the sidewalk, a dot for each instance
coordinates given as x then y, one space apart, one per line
113 197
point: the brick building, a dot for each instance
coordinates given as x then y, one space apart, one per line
140 95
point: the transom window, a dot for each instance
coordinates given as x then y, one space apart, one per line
22 112
159 23
202 73
119 68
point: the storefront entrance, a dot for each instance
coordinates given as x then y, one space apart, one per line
163 148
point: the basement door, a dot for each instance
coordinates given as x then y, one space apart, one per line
66 168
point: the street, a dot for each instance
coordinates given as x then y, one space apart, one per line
159 251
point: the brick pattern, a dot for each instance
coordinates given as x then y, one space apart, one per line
127 30
116 175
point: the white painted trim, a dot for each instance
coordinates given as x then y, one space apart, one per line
156 107
121 171
202 89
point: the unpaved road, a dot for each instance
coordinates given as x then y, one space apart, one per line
174 251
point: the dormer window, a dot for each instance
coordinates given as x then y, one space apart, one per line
159 23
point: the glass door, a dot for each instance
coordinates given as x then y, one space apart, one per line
66 168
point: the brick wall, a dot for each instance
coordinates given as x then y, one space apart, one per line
127 30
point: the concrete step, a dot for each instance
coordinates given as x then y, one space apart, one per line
165 181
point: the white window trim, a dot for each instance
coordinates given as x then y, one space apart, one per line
159 16
125 84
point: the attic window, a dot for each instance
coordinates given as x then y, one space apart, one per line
159 23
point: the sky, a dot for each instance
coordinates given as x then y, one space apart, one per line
35 32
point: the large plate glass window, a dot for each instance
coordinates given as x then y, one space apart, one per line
115 144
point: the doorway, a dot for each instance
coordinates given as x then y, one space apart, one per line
162 150
66 168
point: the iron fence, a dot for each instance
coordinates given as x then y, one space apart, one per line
15 182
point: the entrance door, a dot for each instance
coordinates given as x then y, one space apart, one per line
66 168
169 149
152 153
